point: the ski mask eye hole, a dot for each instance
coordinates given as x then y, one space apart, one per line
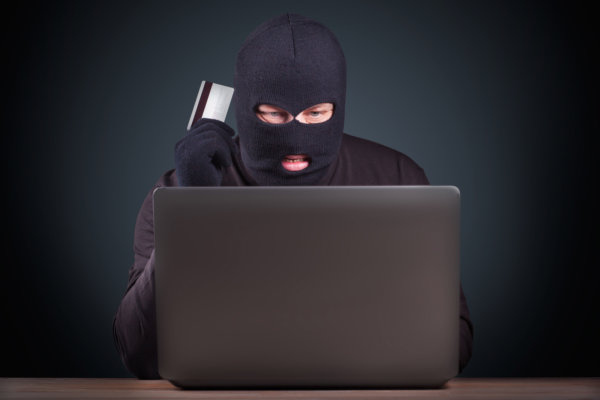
313 115
273 115
316 114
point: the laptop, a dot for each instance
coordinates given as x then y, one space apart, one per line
307 287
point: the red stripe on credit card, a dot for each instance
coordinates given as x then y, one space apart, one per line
202 102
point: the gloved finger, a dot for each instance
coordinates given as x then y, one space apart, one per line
211 146
207 124
224 131
198 141
210 127
222 155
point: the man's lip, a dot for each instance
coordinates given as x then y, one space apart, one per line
295 162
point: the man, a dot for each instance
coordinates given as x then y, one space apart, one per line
290 90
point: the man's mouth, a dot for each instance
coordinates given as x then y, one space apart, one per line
296 162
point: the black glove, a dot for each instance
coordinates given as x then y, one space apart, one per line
203 154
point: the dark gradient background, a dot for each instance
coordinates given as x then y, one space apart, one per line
497 98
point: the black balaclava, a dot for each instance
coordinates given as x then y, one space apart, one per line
293 63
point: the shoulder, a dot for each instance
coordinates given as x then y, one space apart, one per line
374 163
169 178
367 150
358 143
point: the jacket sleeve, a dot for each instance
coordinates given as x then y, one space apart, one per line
134 325
466 333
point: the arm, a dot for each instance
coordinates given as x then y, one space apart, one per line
201 156
134 325
466 332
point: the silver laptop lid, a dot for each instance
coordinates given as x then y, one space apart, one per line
307 286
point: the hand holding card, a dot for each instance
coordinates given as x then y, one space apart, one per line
212 102
203 155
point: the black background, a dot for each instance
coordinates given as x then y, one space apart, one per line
497 98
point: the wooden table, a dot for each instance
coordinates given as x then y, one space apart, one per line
460 388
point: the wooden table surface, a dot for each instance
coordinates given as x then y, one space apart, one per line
459 388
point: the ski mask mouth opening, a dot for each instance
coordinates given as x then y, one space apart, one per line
292 63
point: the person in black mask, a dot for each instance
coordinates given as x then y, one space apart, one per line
290 92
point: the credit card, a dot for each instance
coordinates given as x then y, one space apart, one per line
212 102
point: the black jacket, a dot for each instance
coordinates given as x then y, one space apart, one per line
360 162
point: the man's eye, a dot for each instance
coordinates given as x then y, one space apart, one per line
315 114
275 114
